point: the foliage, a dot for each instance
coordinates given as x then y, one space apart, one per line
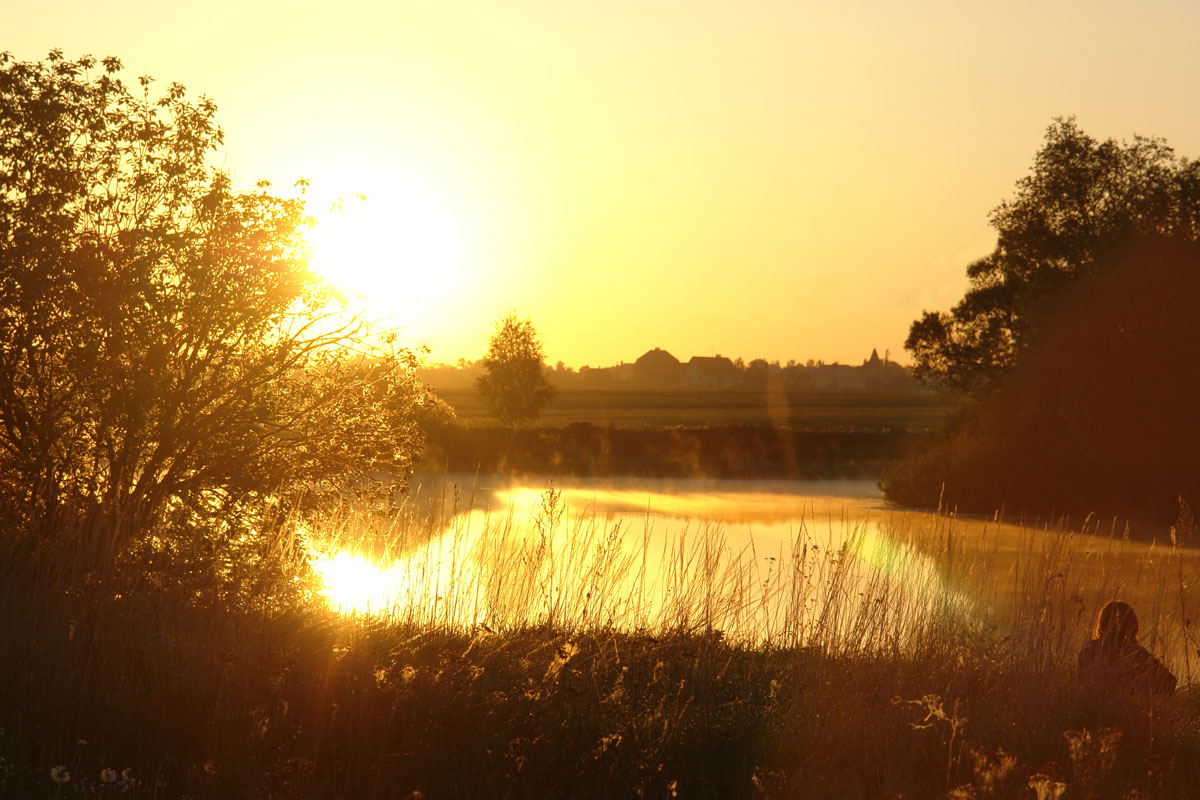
1099 417
1083 203
1075 343
167 360
514 386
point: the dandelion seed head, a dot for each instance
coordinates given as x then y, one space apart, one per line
60 775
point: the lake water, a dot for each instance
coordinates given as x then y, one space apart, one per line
757 562
783 563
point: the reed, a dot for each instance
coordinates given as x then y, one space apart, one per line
565 653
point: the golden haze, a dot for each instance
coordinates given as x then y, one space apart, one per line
770 179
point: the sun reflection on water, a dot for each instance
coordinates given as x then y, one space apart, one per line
353 584
831 578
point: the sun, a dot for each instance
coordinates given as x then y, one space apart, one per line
397 249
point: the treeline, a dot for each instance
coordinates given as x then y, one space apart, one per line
658 370
728 452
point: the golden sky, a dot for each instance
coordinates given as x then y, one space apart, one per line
757 178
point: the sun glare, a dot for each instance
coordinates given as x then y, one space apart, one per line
396 251
353 584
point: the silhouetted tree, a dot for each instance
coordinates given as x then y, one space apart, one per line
1082 202
166 357
514 386
1073 342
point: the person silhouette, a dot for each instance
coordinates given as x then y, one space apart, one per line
1112 659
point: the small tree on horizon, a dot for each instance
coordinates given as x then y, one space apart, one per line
513 385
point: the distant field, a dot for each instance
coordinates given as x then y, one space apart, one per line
807 411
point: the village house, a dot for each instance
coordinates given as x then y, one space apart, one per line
711 372
657 369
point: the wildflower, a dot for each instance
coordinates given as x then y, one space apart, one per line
1046 787
60 775
261 719
128 783
108 775
991 765
1093 752
608 743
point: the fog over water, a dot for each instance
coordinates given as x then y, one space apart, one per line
724 501
784 563
788 562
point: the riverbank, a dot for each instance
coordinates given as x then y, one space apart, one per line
913 661
708 408
738 452
298 707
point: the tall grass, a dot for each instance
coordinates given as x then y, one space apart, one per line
878 582
566 653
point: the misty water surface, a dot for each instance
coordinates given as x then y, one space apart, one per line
788 562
